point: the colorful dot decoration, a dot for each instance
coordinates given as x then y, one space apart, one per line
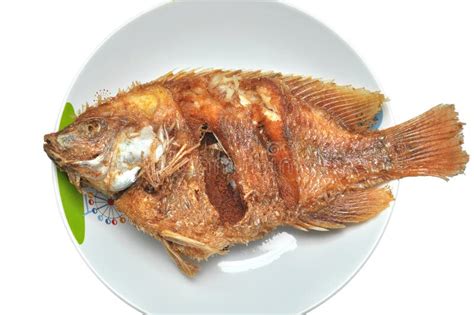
103 207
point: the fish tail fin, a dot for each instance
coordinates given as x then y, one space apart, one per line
428 145
348 208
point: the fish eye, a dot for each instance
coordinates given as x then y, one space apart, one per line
93 128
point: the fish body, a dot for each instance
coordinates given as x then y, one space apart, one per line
206 160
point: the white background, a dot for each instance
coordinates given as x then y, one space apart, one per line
421 53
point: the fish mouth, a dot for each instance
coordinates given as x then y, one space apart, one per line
49 147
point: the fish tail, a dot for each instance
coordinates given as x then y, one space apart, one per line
428 145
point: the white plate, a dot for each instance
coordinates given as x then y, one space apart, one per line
294 271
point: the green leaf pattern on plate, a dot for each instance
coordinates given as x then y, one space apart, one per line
71 199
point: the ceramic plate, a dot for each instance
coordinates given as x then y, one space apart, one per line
287 272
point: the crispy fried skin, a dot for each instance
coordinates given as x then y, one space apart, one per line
261 150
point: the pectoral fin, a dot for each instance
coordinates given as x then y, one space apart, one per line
187 267
186 241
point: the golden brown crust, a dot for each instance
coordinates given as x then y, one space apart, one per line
201 103
261 150
271 104
180 204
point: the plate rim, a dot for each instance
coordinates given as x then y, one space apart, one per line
156 6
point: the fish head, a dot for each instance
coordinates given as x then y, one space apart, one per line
102 152
82 140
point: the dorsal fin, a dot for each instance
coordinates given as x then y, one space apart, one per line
353 108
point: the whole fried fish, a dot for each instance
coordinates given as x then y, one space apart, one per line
205 160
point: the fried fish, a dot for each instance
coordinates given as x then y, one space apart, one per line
203 160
